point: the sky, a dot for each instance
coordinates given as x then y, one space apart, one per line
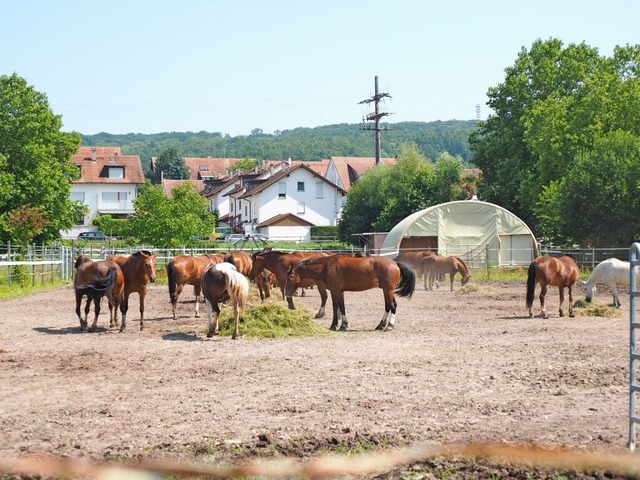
231 66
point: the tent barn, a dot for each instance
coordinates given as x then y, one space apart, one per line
478 232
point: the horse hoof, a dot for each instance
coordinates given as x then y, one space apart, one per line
343 328
572 315
333 327
380 326
389 328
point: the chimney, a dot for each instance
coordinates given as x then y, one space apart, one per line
289 161
93 154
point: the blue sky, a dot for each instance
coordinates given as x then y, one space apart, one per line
150 66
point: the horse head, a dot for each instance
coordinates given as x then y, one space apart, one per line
590 290
292 282
149 264
80 260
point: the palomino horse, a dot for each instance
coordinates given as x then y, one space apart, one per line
559 272
221 282
414 260
435 265
96 280
138 269
278 263
342 273
187 269
612 272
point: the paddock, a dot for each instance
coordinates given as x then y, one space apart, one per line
462 366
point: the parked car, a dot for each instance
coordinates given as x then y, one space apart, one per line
94 236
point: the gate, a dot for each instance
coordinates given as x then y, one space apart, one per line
634 356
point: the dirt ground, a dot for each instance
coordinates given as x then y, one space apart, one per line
459 367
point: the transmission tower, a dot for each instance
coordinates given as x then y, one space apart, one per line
376 116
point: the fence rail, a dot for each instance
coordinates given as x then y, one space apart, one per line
49 263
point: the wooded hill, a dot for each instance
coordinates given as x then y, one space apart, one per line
347 140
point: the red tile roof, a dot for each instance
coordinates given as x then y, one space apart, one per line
168 185
358 164
95 162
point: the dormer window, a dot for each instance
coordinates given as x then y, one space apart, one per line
205 168
116 172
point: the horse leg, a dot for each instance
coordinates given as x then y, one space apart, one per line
124 307
345 323
174 300
543 292
236 317
452 277
83 322
571 314
213 322
616 297
323 302
561 291
196 291
142 293
96 302
392 314
336 307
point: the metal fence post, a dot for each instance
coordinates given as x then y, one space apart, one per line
634 260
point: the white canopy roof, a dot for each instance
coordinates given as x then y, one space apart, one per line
468 228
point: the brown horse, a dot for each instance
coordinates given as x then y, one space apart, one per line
265 281
96 280
342 273
138 269
187 269
559 272
221 282
437 265
414 260
241 259
278 263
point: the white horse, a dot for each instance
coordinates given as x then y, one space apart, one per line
612 272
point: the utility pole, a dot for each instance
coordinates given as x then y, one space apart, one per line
376 116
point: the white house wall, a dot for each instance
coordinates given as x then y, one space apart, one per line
289 233
93 197
317 211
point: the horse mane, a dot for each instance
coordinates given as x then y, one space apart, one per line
80 260
237 284
463 264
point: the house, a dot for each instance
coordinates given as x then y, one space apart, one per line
286 205
345 171
108 183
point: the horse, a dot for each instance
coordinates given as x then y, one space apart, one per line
436 265
221 282
414 260
559 272
278 263
241 259
265 281
96 280
187 269
341 273
613 272
138 269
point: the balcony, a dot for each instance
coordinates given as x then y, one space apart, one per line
115 206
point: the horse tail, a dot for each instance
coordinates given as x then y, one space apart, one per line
407 283
237 287
171 276
531 284
101 285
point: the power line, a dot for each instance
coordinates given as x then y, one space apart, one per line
376 116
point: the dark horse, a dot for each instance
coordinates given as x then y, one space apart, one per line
342 273
138 269
222 282
187 269
278 263
559 272
96 280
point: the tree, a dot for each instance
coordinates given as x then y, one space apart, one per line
171 221
35 170
388 193
170 165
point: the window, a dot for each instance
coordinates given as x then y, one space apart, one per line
301 208
301 186
76 196
116 172
282 189
246 213
205 168
320 189
114 196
